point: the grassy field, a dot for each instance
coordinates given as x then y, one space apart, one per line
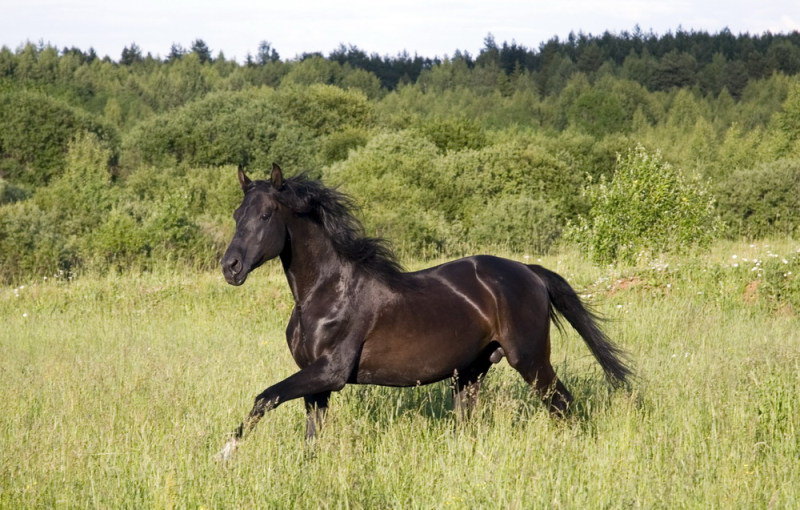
117 390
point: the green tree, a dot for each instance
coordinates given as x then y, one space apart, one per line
131 55
266 53
675 69
201 49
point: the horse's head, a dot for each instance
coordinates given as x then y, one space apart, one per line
260 227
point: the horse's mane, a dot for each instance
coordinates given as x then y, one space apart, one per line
333 210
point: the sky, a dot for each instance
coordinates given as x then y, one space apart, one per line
425 27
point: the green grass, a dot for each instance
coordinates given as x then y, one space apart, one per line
117 390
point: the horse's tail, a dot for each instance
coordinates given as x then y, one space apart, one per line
564 300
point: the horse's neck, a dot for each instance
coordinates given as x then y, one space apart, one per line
309 259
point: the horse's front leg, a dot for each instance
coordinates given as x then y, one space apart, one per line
316 408
326 374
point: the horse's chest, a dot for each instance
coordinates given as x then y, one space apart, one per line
313 336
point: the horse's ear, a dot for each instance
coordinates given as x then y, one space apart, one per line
277 176
244 181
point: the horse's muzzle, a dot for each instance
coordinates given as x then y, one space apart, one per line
233 270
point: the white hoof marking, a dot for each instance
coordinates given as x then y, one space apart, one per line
227 451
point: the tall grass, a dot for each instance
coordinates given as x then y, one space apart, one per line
117 390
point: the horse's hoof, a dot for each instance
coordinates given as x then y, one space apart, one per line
227 451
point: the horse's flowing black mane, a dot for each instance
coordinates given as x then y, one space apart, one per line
333 210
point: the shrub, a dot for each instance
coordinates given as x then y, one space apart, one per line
388 176
82 193
597 112
256 127
35 135
469 180
338 144
222 128
324 109
453 134
520 222
762 201
9 193
511 193
31 243
648 208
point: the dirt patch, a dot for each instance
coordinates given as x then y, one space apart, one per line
624 284
751 291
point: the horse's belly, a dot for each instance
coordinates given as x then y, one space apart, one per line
425 348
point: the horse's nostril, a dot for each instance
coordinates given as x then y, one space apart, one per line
235 266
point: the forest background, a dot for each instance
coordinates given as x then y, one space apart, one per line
112 164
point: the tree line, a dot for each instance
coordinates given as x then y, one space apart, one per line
513 146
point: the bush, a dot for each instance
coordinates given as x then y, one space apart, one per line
762 201
388 176
35 135
222 128
648 208
597 112
468 181
453 134
31 243
337 145
255 127
520 222
10 193
82 193
428 202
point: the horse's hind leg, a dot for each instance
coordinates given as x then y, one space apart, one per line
532 360
467 384
552 391
316 408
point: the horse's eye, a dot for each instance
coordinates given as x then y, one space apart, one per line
266 216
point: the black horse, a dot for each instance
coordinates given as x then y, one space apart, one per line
358 318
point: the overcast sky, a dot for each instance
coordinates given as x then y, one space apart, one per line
426 27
